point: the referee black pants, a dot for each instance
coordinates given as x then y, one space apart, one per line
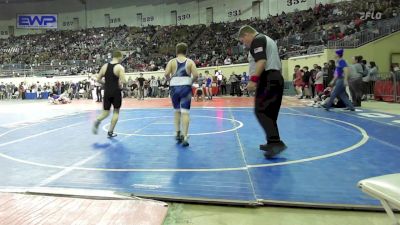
268 103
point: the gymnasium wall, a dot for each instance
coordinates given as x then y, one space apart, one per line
396 57
379 51
3 31
285 70
273 7
306 60
158 12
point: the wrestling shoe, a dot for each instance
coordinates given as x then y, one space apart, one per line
111 134
95 127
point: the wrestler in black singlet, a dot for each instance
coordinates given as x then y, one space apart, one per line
112 90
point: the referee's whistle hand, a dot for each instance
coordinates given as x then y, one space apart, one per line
251 86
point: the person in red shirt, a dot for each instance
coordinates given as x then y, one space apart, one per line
298 81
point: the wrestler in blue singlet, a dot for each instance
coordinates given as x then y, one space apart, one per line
181 87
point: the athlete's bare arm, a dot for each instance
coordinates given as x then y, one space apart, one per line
102 73
193 71
120 72
168 70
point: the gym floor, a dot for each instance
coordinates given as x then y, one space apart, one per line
328 152
183 214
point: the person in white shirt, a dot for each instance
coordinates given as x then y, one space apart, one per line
227 61
154 87
319 80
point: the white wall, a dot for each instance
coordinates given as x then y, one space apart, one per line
223 7
66 20
157 11
3 31
275 7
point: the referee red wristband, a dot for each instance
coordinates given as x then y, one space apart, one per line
255 78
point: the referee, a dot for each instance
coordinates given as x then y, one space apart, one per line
266 79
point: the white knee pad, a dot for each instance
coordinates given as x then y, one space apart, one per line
187 111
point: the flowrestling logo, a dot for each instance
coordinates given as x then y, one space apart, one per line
371 11
370 14
37 21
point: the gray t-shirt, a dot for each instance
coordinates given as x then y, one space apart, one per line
373 74
200 80
263 47
319 78
356 71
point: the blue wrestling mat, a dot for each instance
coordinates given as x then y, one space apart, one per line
328 153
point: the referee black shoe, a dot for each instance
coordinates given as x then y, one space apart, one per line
273 149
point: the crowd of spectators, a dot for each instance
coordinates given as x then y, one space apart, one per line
315 83
139 87
80 89
149 48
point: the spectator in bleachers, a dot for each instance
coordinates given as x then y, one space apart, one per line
306 82
312 79
2 91
370 79
357 72
200 80
234 83
227 61
141 86
325 70
164 88
209 82
319 80
154 87
152 46
298 81
331 70
10 90
395 72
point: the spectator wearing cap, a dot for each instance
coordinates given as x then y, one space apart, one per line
340 81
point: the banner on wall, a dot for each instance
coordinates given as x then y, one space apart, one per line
37 21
